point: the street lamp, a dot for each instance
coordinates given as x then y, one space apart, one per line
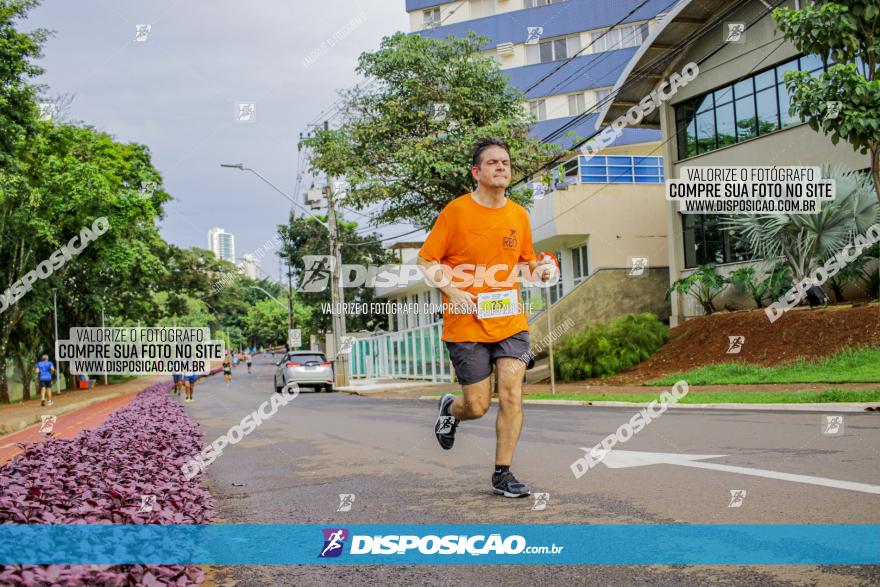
336 292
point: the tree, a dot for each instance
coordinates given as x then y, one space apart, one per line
806 240
845 100
305 236
404 145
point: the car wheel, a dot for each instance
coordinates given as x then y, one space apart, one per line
277 387
328 388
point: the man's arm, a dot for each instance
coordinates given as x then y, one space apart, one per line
435 274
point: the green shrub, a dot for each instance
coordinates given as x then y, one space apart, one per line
605 349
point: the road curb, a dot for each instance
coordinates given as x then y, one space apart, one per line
830 407
6 429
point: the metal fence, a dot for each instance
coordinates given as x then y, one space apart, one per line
416 353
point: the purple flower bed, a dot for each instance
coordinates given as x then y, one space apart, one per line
99 478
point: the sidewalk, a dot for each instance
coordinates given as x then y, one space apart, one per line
75 410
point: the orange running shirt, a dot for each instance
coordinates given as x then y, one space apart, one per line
467 232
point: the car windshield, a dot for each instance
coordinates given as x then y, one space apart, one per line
306 358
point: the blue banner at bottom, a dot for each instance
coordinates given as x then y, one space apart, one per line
352 544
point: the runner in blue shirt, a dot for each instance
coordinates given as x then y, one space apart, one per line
46 370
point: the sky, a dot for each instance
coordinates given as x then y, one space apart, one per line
178 92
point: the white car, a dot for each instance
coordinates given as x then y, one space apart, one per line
306 369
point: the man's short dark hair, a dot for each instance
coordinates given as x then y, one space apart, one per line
483 144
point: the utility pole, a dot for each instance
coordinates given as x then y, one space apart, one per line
58 372
337 296
102 328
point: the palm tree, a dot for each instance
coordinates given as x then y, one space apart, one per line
806 240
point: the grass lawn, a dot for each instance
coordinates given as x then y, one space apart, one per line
731 397
849 366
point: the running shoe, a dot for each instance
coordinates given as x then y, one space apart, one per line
49 403
446 423
505 484
43 402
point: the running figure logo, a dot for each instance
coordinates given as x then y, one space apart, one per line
47 423
541 500
735 32
533 34
637 266
737 496
446 423
334 540
735 344
346 500
148 502
316 274
832 425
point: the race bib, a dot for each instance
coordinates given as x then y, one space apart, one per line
494 304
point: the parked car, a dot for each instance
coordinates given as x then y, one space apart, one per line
306 369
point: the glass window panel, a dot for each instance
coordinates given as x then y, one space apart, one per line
691 134
533 54
765 80
705 104
725 125
619 160
546 49
598 42
648 179
621 179
593 169
784 67
784 105
629 37
594 179
744 88
810 63
576 104
768 112
573 44
645 170
746 123
723 96
597 160
559 49
644 31
705 131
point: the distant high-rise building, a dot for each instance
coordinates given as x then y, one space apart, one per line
250 265
222 244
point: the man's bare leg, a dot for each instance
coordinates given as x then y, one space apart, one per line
473 402
509 372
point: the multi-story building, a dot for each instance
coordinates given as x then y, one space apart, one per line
734 113
222 244
609 214
250 265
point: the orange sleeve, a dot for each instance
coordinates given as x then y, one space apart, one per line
435 246
527 250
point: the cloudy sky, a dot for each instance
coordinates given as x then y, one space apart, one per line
177 93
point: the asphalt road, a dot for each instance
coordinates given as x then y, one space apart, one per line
293 467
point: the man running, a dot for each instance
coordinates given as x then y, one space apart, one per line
484 228
178 382
190 379
46 370
227 369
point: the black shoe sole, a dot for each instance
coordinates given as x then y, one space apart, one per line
441 415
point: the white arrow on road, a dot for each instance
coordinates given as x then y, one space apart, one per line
620 459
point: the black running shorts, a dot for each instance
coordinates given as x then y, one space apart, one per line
473 361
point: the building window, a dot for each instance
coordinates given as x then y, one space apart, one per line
481 8
602 94
556 290
576 104
619 38
553 49
621 169
580 265
750 107
538 109
705 241
431 18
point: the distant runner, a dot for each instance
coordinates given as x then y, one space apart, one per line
248 359
178 382
190 378
46 371
227 369
485 228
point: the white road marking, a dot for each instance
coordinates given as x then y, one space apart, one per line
620 459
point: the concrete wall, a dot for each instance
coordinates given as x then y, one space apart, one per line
607 294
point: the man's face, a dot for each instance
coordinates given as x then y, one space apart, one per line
494 168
